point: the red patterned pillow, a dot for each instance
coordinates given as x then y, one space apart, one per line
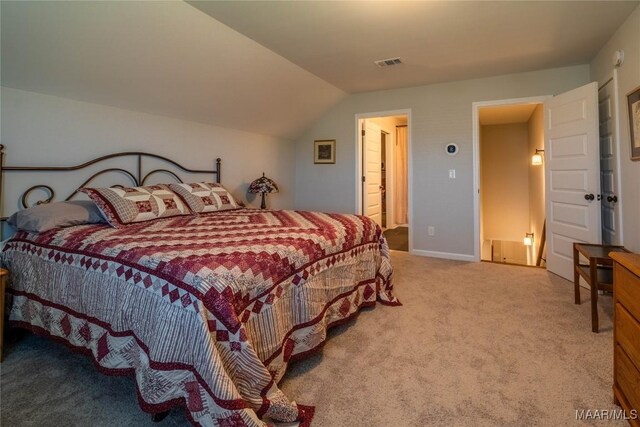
205 197
136 204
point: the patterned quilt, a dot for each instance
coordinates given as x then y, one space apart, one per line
206 311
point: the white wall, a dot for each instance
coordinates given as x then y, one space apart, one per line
504 181
441 113
626 38
46 130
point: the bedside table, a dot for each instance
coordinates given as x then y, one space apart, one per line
3 287
598 273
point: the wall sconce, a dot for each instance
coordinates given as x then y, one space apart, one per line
528 239
536 159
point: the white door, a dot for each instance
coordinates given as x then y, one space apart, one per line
572 173
372 171
609 165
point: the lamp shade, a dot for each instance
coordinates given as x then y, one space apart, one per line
263 185
528 239
536 159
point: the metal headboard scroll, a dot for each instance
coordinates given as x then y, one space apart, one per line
136 177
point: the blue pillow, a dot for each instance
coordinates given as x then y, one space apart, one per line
41 218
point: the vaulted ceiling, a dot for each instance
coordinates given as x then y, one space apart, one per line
275 67
437 41
165 58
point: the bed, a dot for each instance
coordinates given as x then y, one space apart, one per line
205 310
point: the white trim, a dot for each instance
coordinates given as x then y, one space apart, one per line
389 177
613 79
390 153
475 106
616 93
444 255
358 165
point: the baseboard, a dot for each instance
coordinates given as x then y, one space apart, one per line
444 255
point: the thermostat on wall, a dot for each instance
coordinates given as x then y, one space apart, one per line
451 149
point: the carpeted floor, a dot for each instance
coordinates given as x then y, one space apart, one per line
475 344
398 238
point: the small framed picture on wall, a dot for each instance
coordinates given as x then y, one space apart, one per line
324 151
634 122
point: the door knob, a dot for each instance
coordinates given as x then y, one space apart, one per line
613 199
589 197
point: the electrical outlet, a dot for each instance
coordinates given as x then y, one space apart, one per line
452 173
431 231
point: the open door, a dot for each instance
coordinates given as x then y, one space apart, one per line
572 175
372 171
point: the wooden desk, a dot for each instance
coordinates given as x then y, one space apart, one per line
598 273
3 287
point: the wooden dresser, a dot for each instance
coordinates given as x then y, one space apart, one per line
626 333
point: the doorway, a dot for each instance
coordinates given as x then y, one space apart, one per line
511 183
383 172
572 165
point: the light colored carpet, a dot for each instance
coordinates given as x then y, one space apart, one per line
474 344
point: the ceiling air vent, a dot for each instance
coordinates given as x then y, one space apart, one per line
387 62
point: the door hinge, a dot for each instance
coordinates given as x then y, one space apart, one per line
363 132
364 178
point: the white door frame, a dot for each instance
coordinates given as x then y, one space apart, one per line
613 77
616 93
476 158
358 165
389 178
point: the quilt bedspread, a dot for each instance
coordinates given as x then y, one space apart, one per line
206 311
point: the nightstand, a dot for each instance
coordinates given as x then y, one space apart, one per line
598 273
3 288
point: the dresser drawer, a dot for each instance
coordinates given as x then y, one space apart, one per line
628 333
627 289
627 378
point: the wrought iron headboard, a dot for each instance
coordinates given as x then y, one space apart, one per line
137 177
